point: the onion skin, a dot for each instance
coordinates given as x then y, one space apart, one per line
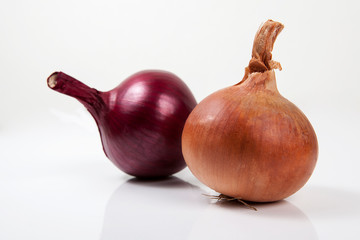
140 121
249 142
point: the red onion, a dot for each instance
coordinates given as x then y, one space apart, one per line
140 121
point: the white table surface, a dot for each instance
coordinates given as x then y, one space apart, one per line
56 183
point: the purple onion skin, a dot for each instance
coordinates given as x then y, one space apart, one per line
140 121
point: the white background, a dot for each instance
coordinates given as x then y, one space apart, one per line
55 181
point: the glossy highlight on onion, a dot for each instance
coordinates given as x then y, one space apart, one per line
140 121
247 141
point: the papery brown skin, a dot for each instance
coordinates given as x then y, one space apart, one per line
249 142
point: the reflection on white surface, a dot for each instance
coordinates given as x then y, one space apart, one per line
155 209
334 211
174 209
230 220
325 203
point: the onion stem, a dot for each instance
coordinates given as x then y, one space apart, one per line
263 45
72 87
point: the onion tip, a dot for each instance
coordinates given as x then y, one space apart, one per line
51 81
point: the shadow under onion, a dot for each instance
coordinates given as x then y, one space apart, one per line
153 209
